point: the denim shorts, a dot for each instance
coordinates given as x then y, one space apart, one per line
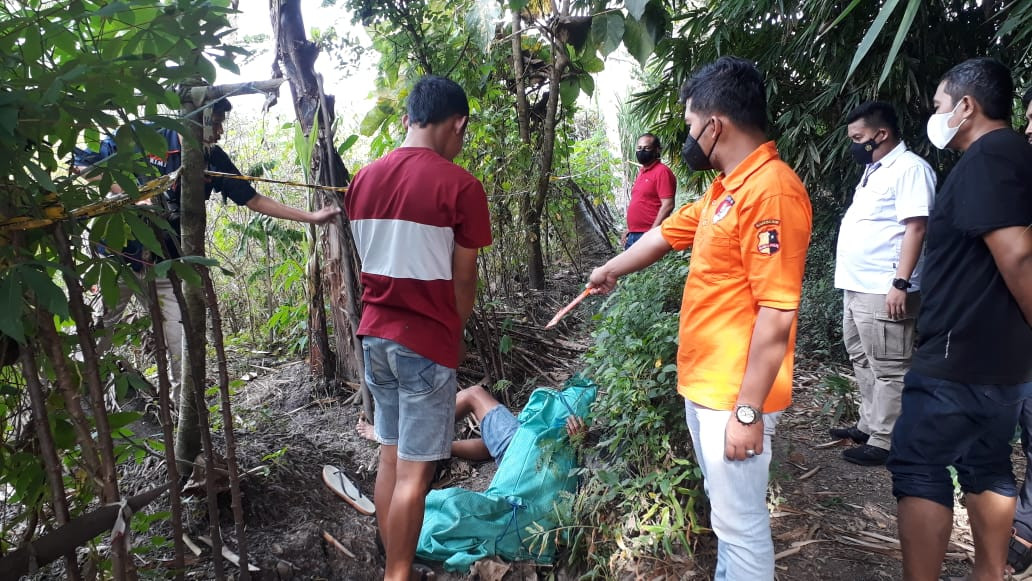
497 428
415 400
945 423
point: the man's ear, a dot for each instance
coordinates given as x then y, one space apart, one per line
968 106
717 127
460 124
405 121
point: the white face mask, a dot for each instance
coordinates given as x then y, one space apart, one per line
939 131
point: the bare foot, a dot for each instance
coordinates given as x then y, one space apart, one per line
365 429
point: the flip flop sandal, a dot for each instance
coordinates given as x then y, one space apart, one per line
1019 555
342 486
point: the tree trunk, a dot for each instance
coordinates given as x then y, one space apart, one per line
193 434
194 223
296 55
536 266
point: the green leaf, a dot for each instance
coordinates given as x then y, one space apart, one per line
161 269
113 232
109 291
607 31
517 5
569 88
638 41
901 34
590 63
834 23
153 142
587 84
187 273
636 8
10 316
872 35
122 419
41 176
375 118
143 232
348 143
48 294
64 435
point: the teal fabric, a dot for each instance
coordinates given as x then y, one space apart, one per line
508 519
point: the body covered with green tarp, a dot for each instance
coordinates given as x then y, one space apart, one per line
513 517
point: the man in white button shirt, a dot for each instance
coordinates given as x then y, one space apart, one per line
878 268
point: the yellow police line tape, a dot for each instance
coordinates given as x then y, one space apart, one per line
218 174
55 212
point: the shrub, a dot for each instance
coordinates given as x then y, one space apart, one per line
640 487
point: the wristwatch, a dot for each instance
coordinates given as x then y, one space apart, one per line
746 414
901 283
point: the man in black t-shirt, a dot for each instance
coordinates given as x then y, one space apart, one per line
973 367
1019 551
240 191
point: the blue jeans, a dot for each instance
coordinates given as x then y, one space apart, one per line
737 492
632 237
415 400
946 423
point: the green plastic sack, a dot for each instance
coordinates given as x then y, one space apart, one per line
514 518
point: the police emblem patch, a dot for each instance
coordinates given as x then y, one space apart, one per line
769 241
723 208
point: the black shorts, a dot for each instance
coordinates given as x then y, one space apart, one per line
945 423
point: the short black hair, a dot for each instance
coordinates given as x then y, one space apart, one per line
1026 98
877 114
434 99
655 140
222 106
730 86
987 81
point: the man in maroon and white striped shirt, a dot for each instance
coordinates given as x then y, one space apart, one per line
418 221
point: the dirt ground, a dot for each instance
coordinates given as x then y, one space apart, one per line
831 519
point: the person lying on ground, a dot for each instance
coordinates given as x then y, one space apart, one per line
497 426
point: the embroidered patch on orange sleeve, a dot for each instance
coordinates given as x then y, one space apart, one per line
769 241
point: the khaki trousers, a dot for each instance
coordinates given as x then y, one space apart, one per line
880 350
172 325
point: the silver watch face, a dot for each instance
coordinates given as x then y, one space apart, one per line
746 415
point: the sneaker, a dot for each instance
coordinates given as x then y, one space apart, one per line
866 455
852 432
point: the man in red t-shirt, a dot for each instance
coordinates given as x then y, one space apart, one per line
652 196
418 221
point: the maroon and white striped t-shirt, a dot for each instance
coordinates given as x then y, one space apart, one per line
408 210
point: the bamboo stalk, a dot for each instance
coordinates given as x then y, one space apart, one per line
70 392
196 370
48 452
120 561
164 412
227 422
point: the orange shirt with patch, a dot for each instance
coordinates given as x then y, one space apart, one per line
748 234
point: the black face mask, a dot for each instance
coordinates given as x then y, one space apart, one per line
692 153
645 157
863 153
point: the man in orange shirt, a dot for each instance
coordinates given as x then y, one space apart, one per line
748 234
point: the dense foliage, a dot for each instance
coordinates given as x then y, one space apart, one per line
642 490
